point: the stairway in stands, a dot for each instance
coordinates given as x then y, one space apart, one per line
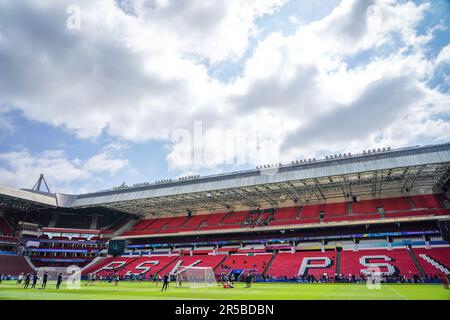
270 263
416 261
338 262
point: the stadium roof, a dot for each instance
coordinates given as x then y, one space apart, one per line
376 174
26 199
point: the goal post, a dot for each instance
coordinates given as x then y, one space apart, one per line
195 277
70 275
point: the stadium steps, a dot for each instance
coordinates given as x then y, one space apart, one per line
167 265
126 227
225 256
30 263
225 217
349 208
411 202
416 262
5 227
95 261
338 261
185 222
53 221
270 263
94 221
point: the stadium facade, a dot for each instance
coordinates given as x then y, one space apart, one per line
310 219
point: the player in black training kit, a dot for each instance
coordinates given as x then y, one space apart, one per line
27 281
166 283
44 280
59 280
35 279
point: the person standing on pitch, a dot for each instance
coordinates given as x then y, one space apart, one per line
35 279
44 280
27 281
165 283
59 280
19 279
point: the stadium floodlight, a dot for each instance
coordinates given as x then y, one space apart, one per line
195 277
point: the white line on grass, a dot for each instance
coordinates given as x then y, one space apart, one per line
396 292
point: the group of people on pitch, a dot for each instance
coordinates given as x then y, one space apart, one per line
33 280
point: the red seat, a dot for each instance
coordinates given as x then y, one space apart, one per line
398 258
289 264
432 260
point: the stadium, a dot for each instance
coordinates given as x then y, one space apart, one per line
373 225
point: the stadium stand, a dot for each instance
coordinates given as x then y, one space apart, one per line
5 229
315 263
400 260
14 265
257 263
333 212
434 261
300 229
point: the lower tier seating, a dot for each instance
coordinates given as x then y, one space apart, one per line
151 265
289 265
256 263
313 263
14 265
435 261
392 262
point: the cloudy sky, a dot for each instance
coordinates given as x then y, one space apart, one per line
93 93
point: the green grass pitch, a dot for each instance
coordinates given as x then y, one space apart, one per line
263 291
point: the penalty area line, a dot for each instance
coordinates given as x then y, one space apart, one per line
397 293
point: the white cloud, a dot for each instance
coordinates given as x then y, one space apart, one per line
143 75
6 121
444 55
22 168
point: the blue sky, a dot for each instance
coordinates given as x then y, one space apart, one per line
116 98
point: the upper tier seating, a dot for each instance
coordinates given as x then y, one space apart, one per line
235 218
398 258
14 265
311 211
288 213
395 204
428 201
289 264
366 206
435 261
39 218
333 212
5 229
74 221
335 209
